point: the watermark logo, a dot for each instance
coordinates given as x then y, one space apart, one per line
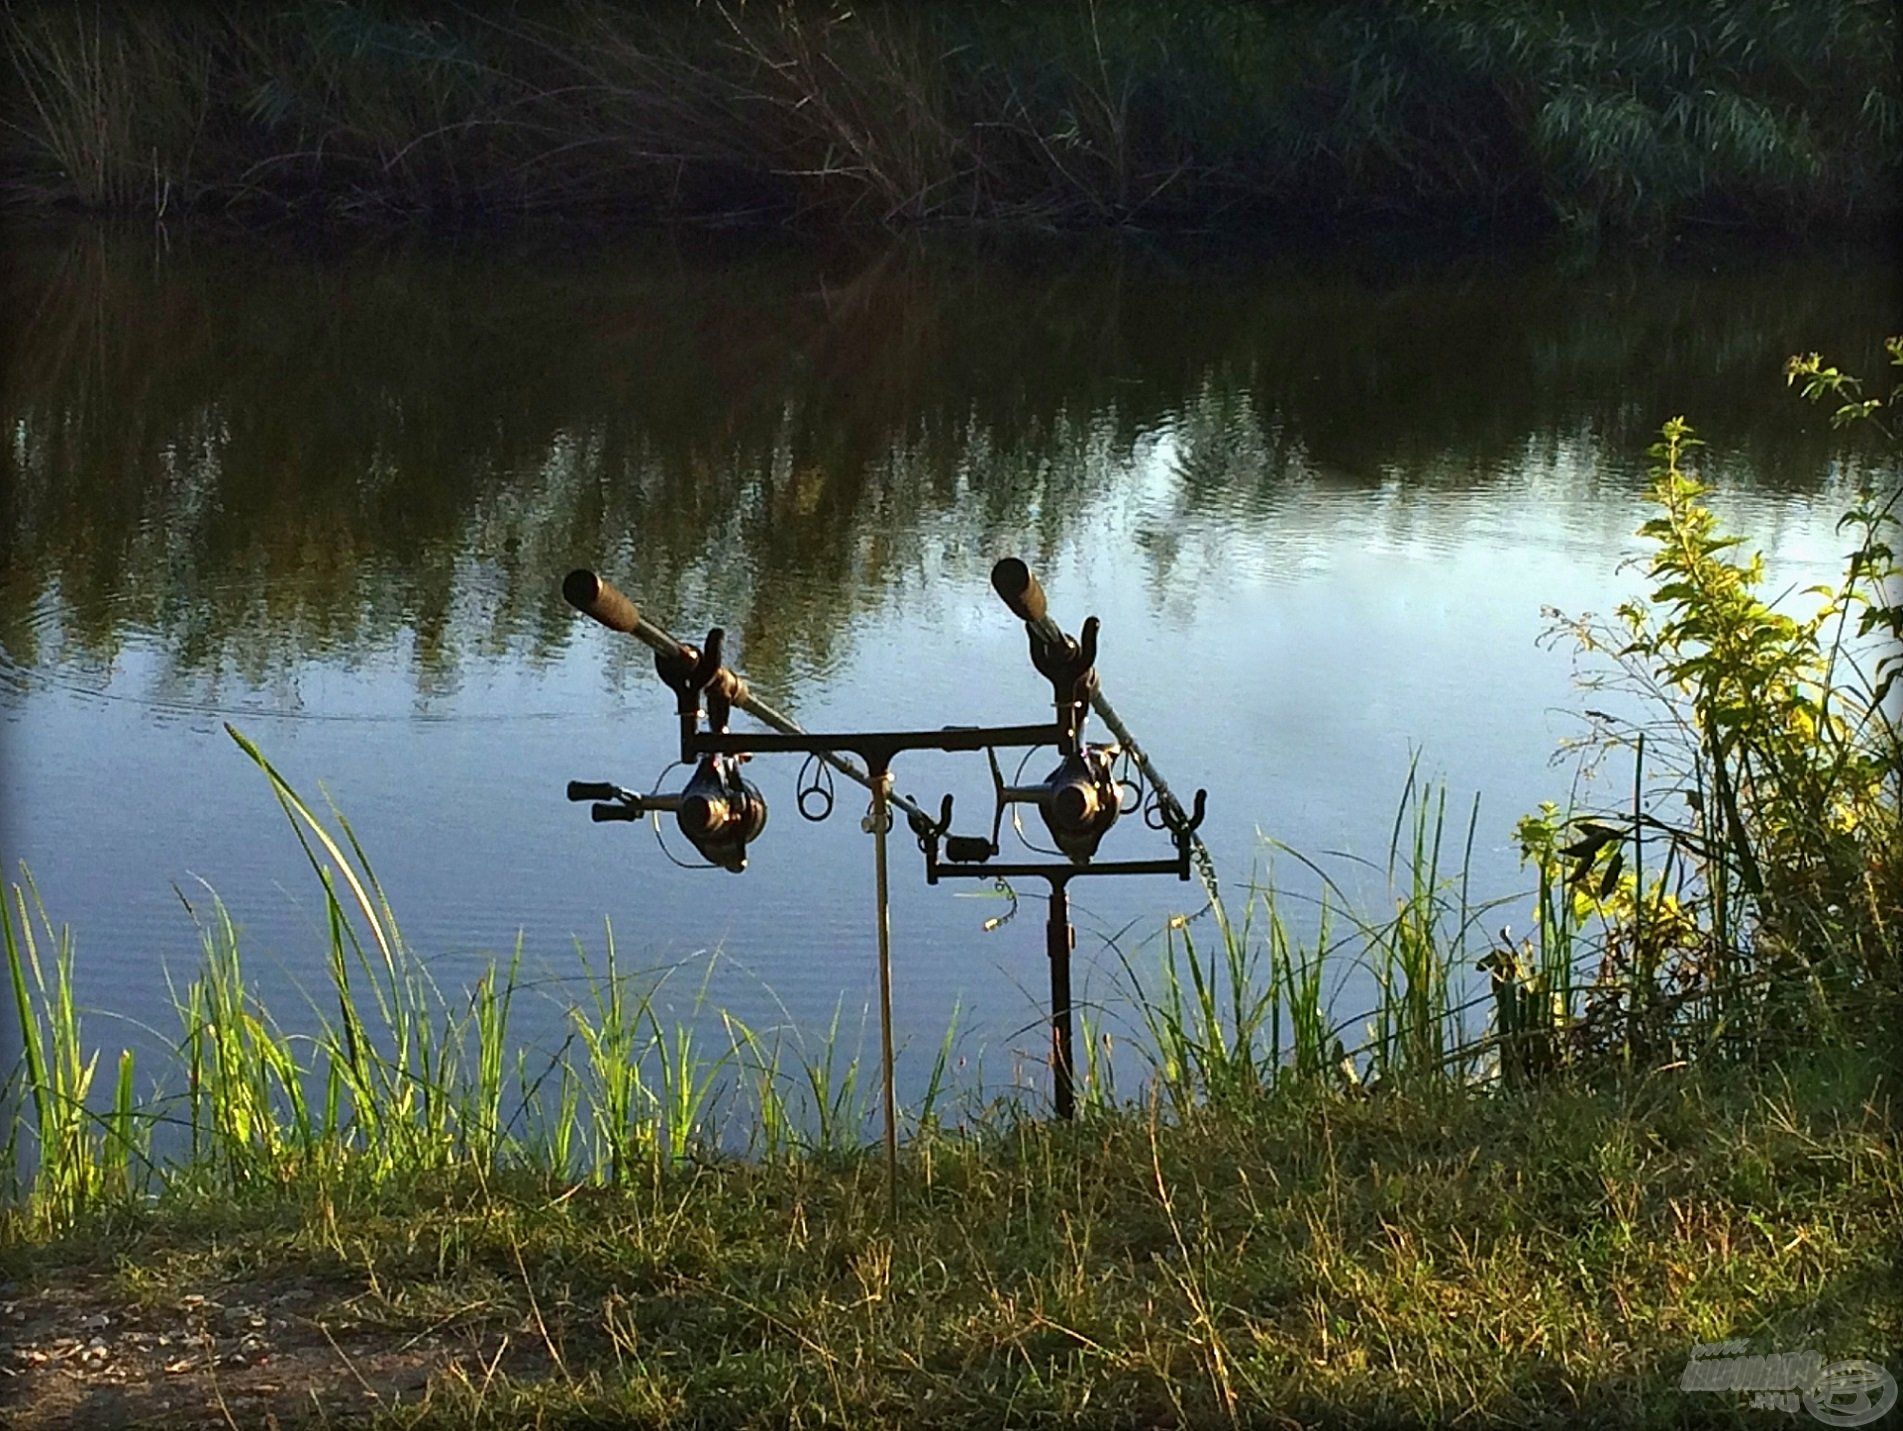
1853 1392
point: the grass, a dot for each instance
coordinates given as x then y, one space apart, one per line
1677 1127
1511 114
1395 1233
1537 1259
396 1077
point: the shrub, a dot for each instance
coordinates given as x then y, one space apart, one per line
1754 884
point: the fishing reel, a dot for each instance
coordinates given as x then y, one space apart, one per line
720 813
1078 801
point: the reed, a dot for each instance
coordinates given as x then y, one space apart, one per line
1514 113
398 1082
395 1080
82 1159
1227 1019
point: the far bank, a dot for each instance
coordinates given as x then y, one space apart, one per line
1619 120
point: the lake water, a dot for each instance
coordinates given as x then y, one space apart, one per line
328 494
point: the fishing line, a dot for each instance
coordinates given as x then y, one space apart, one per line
655 819
26 679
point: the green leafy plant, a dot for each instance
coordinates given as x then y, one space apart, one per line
1753 882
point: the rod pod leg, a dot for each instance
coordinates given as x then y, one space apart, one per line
1059 940
881 819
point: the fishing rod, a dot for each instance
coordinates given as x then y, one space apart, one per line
592 596
1079 801
1051 648
721 813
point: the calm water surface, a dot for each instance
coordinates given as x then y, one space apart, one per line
328 495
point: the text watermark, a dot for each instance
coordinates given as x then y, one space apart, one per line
1850 1392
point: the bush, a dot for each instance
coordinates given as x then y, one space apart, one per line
1754 884
1620 114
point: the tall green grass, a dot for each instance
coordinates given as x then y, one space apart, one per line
395 1079
1746 898
1229 1015
1506 112
82 1157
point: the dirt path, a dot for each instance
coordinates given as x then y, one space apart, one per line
78 1356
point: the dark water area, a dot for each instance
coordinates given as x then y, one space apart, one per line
328 494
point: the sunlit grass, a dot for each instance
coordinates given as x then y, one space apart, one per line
1677 1127
396 1078
1331 1217
1413 1257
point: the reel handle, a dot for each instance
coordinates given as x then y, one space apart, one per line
614 803
968 849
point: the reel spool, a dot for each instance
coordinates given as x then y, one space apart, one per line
720 813
1078 801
